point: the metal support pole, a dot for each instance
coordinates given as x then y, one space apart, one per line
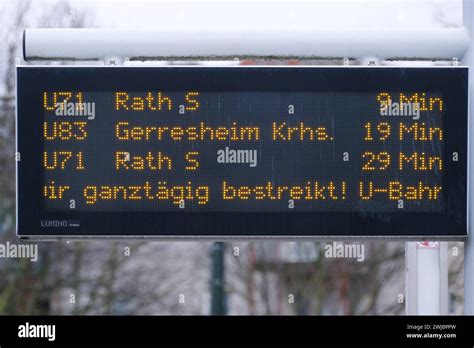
218 298
468 8
426 278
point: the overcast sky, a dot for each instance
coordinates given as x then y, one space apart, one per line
248 13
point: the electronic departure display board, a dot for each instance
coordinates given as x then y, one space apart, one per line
242 152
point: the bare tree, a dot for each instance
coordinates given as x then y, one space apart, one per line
318 285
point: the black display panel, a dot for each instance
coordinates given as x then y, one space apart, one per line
234 152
